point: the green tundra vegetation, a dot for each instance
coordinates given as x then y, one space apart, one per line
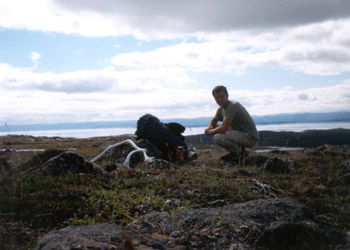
32 202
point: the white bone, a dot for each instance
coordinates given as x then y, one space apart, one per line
127 160
267 189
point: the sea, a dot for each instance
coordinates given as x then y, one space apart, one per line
98 132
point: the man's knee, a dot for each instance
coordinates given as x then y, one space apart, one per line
219 139
230 140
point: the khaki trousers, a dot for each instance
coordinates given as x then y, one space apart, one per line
234 140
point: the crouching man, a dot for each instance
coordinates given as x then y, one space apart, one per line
237 130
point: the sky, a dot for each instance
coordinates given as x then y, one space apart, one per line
110 60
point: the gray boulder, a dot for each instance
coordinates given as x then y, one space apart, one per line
5 167
100 236
344 172
345 179
115 158
239 224
276 166
39 159
344 167
72 162
257 160
258 224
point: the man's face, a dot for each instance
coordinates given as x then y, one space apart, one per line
221 99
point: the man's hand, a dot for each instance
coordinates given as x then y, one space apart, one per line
211 126
208 130
220 129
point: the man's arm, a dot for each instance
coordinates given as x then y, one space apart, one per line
212 123
211 130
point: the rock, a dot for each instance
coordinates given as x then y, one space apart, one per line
344 172
100 236
5 151
255 212
149 146
290 235
313 152
281 152
258 224
276 166
165 176
11 157
160 164
39 159
341 150
344 167
239 224
109 167
72 162
4 166
345 179
257 160
116 156
330 150
172 202
243 172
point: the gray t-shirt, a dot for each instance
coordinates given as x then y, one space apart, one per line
241 120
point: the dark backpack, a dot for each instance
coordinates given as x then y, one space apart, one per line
166 137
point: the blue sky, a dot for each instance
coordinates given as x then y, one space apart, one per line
78 61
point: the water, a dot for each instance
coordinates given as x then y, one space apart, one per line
272 148
86 133
299 127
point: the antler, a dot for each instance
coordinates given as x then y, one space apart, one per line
127 160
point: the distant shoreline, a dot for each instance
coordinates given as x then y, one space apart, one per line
266 120
308 138
98 132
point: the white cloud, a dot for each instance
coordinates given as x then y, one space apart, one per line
323 99
112 95
46 15
319 49
84 81
35 56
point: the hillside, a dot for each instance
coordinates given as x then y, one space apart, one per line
309 138
193 122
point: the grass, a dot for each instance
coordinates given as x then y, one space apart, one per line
42 202
33 203
316 184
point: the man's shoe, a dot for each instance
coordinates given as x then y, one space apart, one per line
232 156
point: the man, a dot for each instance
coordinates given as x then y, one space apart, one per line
237 130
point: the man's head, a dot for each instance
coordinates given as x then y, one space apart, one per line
221 96
218 89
